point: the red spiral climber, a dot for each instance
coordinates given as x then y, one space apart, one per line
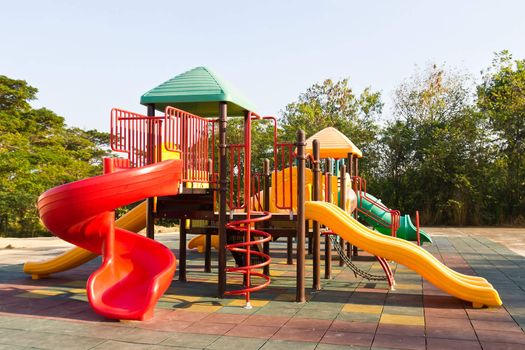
245 248
245 225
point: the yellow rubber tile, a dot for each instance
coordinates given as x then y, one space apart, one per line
76 291
277 273
255 303
203 308
77 284
408 286
363 308
402 320
40 293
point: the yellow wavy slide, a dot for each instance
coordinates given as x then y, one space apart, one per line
470 288
134 221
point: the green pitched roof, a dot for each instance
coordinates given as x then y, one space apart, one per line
197 91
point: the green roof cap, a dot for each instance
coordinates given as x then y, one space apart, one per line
197 91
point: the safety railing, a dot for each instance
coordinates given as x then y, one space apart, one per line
395 215
136 135
193 137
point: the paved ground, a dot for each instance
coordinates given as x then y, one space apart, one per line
347 313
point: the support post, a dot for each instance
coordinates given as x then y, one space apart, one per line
207 249
223 110
182 250
327 242
316 229
266 206
354 186
300 288
342 201
150 215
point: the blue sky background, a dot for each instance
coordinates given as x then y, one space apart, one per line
87 57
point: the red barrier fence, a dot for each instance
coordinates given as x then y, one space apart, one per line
135 134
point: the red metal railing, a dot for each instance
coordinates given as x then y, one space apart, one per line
136 135
193 137
395 215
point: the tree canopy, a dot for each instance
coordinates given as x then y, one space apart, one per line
37 152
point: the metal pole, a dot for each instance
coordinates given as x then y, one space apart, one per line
301 227
342 191
247 199
316 238
267 178
223 110
150 215
327 242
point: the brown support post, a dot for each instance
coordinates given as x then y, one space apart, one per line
316 188
342 184
300 290
150 215
327 242
223 110
207 251
356 173
267 178
182 250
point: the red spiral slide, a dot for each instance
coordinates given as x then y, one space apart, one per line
136 271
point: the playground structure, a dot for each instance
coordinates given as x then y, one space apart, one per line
181 163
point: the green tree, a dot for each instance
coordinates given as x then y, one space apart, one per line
429 152
501 98
37 152
335 104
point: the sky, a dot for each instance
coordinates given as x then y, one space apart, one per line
88 57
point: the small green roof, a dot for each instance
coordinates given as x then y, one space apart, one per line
197 91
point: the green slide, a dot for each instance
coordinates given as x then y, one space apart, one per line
406 230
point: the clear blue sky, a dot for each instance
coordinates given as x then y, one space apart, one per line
87 57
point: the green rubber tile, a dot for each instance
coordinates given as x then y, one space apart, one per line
44 340
287 345
361 317
317 314
401 310
190 340
275 311
227 343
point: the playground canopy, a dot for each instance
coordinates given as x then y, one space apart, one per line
334 144
197 91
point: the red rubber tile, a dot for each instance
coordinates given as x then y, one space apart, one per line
348 326
501 337
208 328
261 332
225 318
501 346
348 338
308 323
262 320
397 342
298 334
452 344
496 326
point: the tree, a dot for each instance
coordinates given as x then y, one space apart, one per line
501 98
429 152
37 152
334 104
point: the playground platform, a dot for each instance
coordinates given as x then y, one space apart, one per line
347 313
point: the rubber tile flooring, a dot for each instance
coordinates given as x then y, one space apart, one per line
348 312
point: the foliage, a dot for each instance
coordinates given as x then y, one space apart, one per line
501 98
335 104
37 152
